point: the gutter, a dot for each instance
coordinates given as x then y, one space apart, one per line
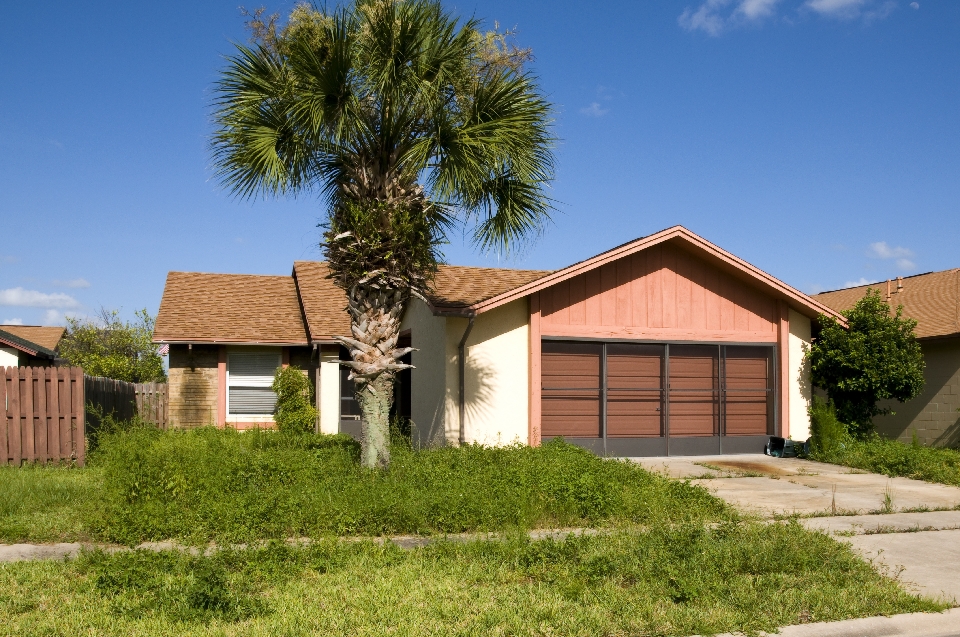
461 361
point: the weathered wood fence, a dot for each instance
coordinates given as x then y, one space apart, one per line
47 412
125 400
43 416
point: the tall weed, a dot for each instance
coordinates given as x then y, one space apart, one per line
212 484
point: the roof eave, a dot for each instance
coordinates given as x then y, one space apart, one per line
799 298
216 341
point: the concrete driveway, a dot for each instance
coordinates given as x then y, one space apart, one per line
909 528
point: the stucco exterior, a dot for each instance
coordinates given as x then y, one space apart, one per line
800 389
9 357
428 378
934 415
496 376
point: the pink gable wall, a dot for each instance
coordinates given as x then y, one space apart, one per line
663 292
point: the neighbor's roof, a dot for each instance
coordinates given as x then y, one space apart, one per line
45 337
677 235
457 286
933 299
229 308
8 338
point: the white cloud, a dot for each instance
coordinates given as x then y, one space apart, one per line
13 321
914 5
713 17
906 264
72 283
836 8
756 9
880 250
856 284
18 297
595 110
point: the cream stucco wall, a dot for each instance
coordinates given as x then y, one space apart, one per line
329 390
428 408
9 357
496 379
800 388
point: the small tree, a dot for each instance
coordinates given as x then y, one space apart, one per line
294 413
110 347
875 357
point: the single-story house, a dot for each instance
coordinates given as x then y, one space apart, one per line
664 345
29 345
933 300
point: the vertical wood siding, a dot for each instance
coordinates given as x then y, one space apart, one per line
42 415
662 292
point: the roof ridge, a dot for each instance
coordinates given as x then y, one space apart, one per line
454 265
911 276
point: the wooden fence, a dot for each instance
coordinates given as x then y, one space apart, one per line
43 416
48 411
152 402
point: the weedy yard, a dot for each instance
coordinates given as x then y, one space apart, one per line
669 558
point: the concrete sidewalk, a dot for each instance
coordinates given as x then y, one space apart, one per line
945 624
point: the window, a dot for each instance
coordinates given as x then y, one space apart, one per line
249 377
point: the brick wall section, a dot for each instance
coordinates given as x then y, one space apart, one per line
192 386
934 414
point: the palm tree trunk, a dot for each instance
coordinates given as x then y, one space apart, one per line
376 313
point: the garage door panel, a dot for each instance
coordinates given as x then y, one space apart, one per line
693 414
634 413
747 413
570 394
571 414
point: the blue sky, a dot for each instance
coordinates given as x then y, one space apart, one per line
817 139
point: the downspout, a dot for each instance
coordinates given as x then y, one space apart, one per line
461 360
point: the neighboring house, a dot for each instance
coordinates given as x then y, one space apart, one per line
933 300
29 345
664 345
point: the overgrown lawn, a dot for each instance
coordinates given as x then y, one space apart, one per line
895 459
687 579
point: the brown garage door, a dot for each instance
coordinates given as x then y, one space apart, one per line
694 390
748 391
634 390
571 389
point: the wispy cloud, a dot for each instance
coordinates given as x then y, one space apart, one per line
880 250
716 16
594 110
55 317
869 10
856 284
8 258
914 5
13 321
72 283
906 264
19 297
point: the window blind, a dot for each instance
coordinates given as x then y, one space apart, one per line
249 377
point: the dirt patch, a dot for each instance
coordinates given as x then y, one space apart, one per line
749 467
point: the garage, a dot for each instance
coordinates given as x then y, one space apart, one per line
649 399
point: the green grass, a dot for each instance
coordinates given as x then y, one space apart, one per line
48 504
895 459
683 580
211 485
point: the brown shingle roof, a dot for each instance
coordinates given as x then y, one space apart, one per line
48 337
229 308
458 286
933 299
323 302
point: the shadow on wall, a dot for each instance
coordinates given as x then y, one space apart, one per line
479 377
950 437
478 380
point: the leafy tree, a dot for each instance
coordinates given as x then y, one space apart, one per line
407 122
110 347
294 412
875 357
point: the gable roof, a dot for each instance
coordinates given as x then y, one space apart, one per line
457 286
46 337
8 338
324 304
689 241
199 307
933 299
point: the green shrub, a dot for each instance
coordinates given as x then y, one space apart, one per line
827 433
214 484
295 412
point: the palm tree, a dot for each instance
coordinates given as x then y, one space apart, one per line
407 122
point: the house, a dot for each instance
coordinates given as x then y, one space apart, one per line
29 345
664 345
933 300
